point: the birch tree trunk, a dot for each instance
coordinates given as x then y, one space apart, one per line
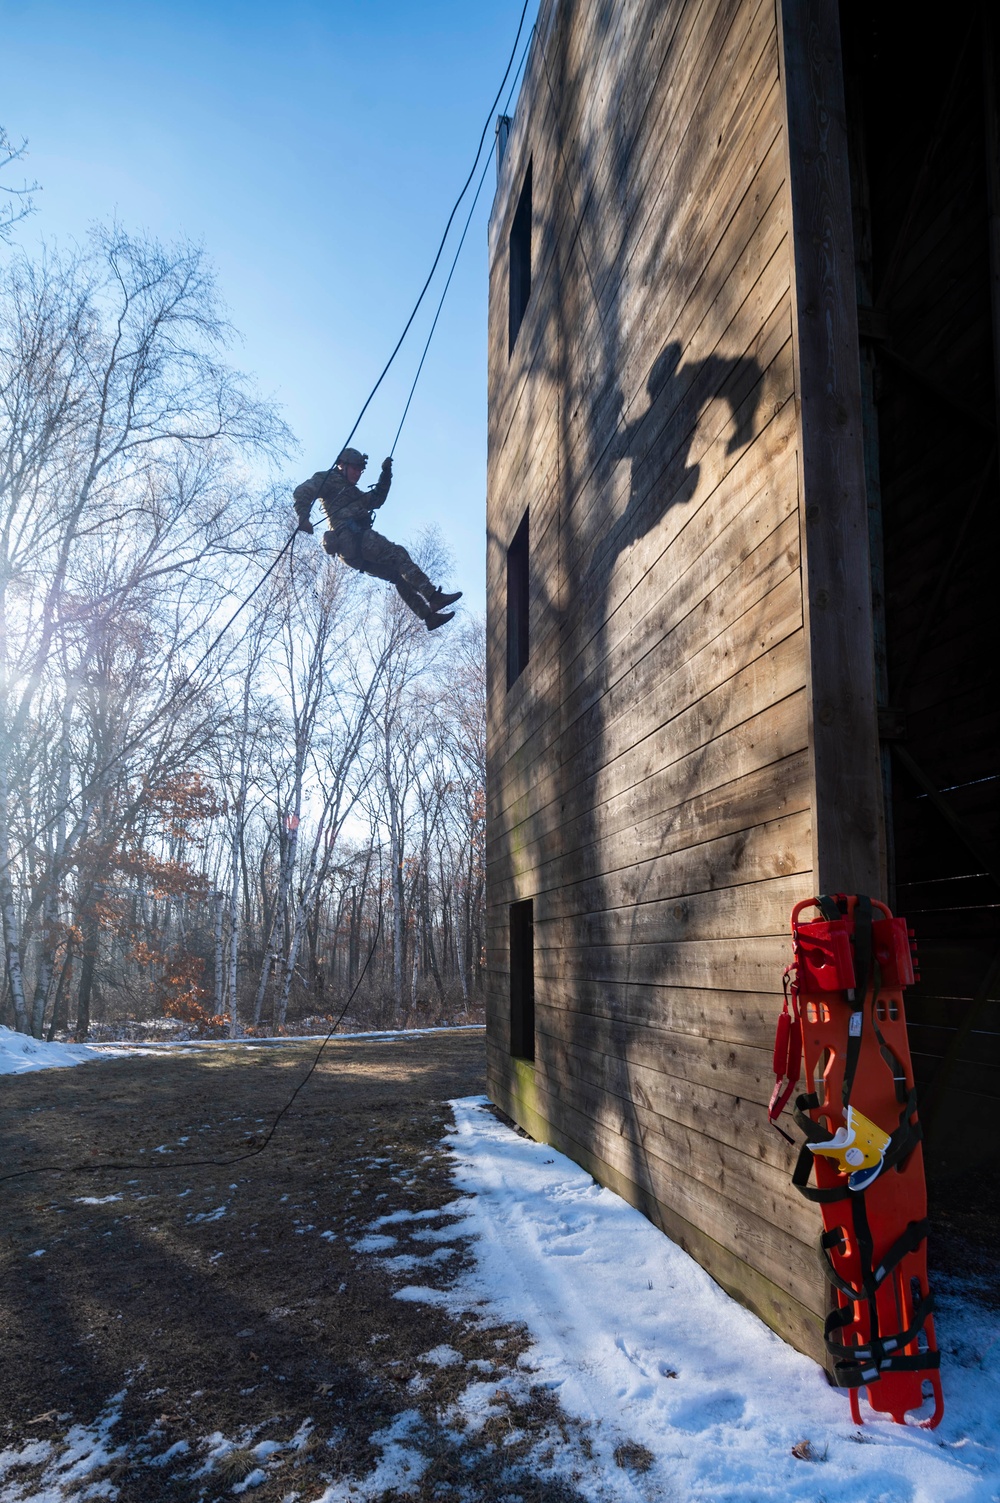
46 954
298 924
398 907
219 974
10 916
234 926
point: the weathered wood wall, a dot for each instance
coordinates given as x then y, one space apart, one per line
652 771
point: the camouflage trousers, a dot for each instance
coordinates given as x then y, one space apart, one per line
371 553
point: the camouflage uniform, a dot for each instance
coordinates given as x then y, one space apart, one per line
348 509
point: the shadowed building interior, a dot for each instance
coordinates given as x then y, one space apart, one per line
742 511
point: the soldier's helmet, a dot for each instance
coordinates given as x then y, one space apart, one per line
352 457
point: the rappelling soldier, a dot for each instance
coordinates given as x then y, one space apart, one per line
349 511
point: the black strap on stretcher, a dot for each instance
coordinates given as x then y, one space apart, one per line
854 1366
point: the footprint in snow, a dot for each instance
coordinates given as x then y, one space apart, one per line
721 1408
631 1356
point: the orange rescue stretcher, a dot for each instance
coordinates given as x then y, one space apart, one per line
843 1018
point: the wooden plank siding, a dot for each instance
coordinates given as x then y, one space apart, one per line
652 773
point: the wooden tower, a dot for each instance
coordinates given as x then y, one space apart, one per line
740 405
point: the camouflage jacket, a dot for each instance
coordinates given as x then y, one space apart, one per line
342 501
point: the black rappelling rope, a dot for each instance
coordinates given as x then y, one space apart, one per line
239 1158
458 252
444 237
170 703
186 681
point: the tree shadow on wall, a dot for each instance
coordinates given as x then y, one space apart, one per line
698 417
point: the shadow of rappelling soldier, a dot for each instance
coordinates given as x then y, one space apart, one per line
349 511
676 396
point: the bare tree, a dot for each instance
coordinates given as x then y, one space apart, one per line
17 203
120 429
182 808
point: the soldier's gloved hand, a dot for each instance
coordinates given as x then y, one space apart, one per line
304 523
387 466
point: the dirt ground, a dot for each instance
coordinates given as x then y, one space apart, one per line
211 1328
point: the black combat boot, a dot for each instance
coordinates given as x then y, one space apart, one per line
438 618
437 599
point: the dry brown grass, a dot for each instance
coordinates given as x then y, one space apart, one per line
250 1322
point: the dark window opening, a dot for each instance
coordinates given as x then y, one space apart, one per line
522 980
520 260
504 123
517 603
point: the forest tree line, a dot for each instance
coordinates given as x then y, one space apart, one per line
231 822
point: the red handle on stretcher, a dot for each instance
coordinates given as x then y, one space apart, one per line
787 1058
812 903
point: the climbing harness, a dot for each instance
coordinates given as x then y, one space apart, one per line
843 1018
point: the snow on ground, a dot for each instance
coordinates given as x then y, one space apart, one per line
85 1449
170 1046
636 1339
19 1053
673 1390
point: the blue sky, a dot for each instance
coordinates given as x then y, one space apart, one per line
315 150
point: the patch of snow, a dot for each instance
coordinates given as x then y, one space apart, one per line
31 1454
253 1479
38 1253
644 1346
441 1356
395 1216
403 1263
399 1468
267 1448
440 1234
84 1450
374 1243
179 1448
217 1446
171 1046
215 1215
302 1434
97 1200
440 1254
20 1053
422 1294
478 1403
